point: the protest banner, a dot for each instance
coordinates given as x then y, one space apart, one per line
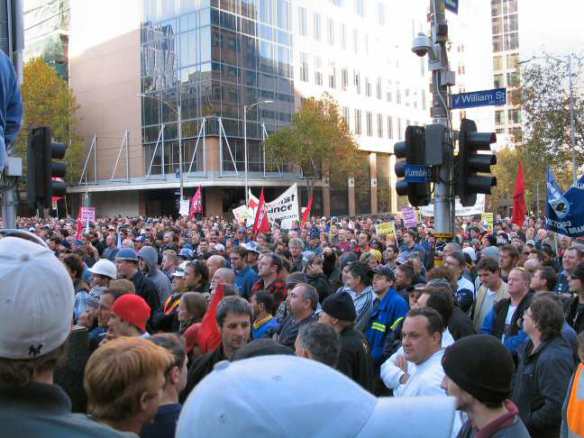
386 229
488 218
460 211
410 217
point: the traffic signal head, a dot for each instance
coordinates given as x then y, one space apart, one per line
469 163
411 166
43 172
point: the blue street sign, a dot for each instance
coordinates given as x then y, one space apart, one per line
498 96
416 173
451 5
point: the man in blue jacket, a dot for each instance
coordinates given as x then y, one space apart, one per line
389 311
12 109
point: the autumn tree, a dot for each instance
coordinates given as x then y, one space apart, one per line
48 101
317 141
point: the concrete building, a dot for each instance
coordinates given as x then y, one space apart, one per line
202 62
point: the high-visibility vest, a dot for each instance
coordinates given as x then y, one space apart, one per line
575 412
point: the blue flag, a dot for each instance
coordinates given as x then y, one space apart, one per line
564 211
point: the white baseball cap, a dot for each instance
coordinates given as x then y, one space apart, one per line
37 298
287 396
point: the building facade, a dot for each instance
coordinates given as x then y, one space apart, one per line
167 84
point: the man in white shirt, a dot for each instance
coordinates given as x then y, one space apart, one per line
438 299
422 345
492 290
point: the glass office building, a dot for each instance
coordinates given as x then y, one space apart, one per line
207 59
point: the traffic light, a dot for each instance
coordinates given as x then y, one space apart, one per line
412 167
469 162
42 170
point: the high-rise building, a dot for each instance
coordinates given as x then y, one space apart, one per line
205 62
505 25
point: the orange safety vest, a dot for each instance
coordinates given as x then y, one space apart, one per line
575 413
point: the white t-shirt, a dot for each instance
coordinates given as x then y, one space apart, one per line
510 311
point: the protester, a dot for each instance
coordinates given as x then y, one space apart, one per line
543 280
355 361
197 277
359 288
102 273
575 306
318 342
573 408
35 321
190 312
302 303
264 323
164 423
492 290
269 268
545 366
124 381
148 262
83 299
316 278
465 288
129 315
573 256
245 276
482 390
127 264
508 259
234 316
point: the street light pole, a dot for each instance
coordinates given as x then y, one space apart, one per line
245 108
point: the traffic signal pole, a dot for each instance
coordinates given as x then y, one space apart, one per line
441 78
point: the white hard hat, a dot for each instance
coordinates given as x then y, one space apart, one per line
106 268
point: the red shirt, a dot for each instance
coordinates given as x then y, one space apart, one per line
277 288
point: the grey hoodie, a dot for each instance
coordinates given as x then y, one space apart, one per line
161 281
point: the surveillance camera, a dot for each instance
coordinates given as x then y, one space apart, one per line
422 44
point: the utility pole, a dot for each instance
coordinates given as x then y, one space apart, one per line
441 78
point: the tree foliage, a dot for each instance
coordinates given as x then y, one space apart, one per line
318 139
547 127
48 101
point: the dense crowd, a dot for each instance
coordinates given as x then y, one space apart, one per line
163 327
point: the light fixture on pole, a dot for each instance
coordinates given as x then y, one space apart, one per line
245 108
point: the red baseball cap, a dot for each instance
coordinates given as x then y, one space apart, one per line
132 309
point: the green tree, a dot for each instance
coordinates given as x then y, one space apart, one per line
317 141
547 127
506 172
48 101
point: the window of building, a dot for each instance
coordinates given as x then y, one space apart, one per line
513 79
407 97
381 13
332 75
497 43
356 41
358 122
380 125
343 36
512 41
514 116
509 6
517 134
318 71
344 79
389 127
304 67
331 32
360 8
511 24
357 81
499 80
398 97
367 87
498 63
379 89
388 93
496 7
316 29
302 21
346 115
369 123
499 117
512 60
497 25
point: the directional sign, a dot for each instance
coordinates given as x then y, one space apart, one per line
451 5
416 173
498 96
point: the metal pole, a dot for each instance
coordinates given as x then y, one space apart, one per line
245 152
444 190
180 158
572 121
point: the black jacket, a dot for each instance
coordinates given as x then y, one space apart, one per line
573 317
459 324
321 284
501 313
541 383
199 369
147 290
355 360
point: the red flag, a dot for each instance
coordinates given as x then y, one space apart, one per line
261 224
306 214
519 205
209 335
196 203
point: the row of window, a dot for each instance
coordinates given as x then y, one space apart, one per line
361 11
341 79
334 33
376 125
506 24
512 62
513 116
508 41
503 7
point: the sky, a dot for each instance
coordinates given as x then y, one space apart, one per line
552 26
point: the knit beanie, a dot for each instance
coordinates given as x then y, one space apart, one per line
481 366
340 306
132 309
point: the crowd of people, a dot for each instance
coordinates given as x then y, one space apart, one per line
162 327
